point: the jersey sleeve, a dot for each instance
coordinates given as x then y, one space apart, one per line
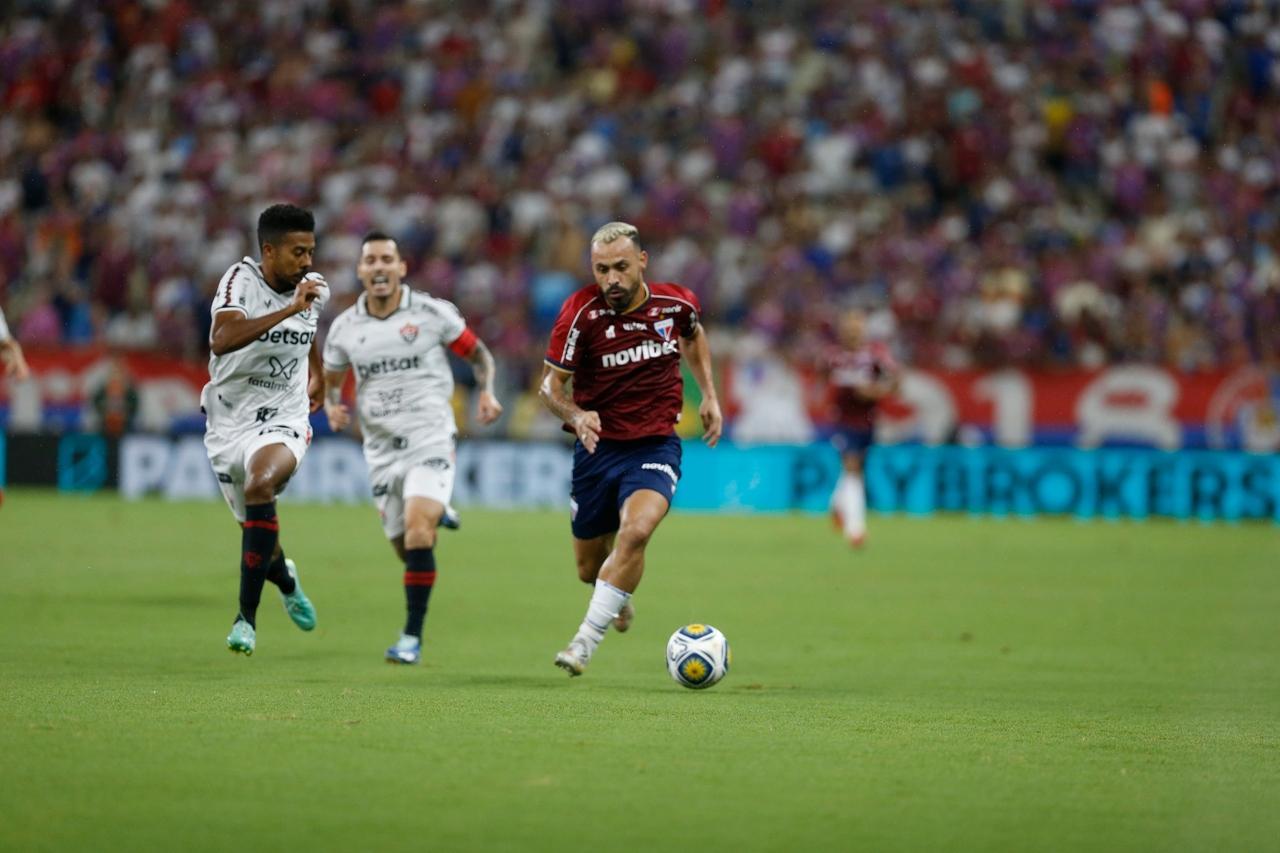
454 333
322 299
885 362
335 354
565 346
231 294
4 329
689 319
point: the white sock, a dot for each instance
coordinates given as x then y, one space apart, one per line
606 602
837 494
853 507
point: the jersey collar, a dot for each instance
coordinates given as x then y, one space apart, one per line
362 303
648 295
256 266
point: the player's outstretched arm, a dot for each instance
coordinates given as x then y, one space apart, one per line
697 351
337 413
553 391
232 330
15 363
488 409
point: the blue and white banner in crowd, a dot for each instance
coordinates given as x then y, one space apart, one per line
1105 483
1102 483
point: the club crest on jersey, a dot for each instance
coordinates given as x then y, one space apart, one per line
610 333
663 327
409 332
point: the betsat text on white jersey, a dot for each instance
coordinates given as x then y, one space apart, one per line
404 385
266 380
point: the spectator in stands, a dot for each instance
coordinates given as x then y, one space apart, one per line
962 164
115 404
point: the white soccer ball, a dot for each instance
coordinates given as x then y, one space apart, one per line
698 656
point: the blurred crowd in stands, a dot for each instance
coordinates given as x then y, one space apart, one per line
1044 184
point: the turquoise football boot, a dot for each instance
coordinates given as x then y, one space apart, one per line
242 638
296 603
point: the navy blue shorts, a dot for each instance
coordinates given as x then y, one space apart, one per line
602 481
852 440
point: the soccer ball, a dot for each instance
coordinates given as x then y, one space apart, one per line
698 656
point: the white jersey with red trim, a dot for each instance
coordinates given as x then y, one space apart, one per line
265 380
404 385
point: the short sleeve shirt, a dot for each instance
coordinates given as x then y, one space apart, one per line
266 380
404 384
626 366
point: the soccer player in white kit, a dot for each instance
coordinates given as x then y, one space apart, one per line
15 364
394 338
265 378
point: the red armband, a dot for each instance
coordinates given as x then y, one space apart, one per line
465 343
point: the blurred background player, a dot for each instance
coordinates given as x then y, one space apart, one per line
619 341
395 338
15 364
861 373
265 378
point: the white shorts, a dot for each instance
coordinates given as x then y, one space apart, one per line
427 474
230 452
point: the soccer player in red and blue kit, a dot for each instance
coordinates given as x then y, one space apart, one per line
860 375
619 341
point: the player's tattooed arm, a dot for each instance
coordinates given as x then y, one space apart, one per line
488 409
233 330
697 351
553 391
337 413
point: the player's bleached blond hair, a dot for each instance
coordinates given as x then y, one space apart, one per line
611 231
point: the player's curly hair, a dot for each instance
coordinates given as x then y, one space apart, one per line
611 231
281 219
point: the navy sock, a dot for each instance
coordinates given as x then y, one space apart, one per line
259 535
278 574
419 578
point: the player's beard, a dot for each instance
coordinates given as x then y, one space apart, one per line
620 298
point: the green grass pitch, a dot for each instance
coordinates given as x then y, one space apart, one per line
962 684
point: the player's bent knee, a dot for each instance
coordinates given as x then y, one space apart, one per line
259 490
420 534
635 536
